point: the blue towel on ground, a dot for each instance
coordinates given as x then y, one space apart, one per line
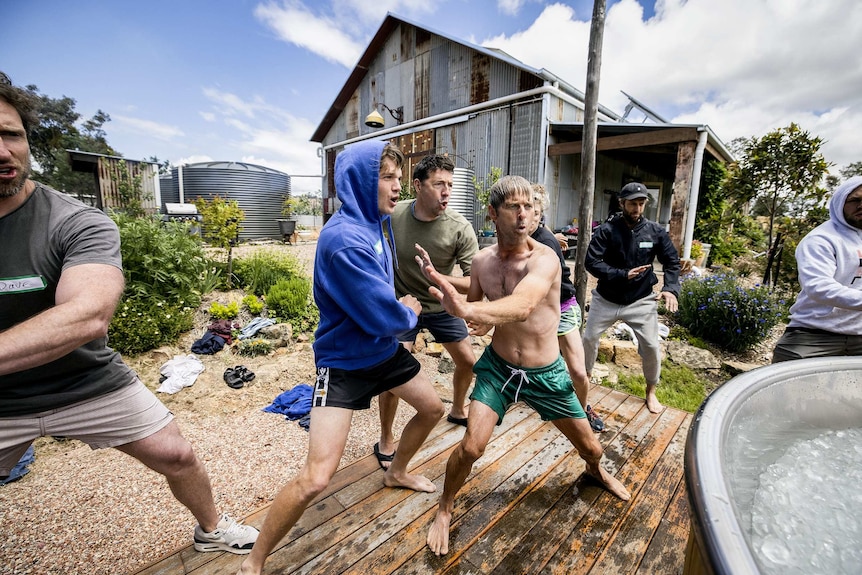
22 467
293 403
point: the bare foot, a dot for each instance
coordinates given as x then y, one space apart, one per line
652 403
244 570
408 481
438 534
611 483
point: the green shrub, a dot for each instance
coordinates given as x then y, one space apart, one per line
260 271
166 271
290 300
721 311
679 333
253 347
220 311
141 324
254 305
161 260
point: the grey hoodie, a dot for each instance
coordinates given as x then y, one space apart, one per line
829 259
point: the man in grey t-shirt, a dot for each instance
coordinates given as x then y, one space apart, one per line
60 281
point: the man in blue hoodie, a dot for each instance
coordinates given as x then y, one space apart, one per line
356 347
826 319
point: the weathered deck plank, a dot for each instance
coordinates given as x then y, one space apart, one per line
527 507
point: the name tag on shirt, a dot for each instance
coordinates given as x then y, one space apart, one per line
22 284
645 245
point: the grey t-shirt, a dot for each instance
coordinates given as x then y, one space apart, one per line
47 234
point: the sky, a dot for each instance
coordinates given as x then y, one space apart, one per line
250 80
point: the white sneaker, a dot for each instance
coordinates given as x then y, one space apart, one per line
229 535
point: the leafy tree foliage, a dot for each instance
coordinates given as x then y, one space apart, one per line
306 204
780 172
59 130
850 170
222 221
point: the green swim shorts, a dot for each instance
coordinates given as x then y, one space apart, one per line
547 389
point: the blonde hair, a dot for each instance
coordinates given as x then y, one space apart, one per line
540 196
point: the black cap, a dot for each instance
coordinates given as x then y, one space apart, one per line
633 191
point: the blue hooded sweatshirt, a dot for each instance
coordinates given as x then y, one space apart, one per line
354 282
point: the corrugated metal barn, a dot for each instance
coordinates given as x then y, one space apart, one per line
428 92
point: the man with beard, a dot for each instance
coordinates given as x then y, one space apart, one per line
620 255
826 319
60 281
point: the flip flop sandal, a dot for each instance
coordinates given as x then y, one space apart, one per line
233 379
457 420
383 458
244 373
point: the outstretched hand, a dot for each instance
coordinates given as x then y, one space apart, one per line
670 301
425 264
441 288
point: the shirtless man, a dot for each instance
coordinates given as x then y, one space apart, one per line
521 279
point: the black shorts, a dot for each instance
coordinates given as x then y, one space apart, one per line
444 327
353 389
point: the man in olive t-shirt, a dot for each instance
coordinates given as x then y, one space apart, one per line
449 239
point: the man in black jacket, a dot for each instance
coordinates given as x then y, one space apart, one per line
620 255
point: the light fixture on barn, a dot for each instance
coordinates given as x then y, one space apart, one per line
375 119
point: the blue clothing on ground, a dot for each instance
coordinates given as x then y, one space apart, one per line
293 403
354 282
22 468
208 344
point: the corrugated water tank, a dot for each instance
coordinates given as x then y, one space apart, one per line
259 191
463 194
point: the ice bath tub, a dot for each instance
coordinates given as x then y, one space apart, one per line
743 427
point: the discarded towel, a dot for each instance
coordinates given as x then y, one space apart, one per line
224 329
293 403
254 326
208 344
21 468
179 372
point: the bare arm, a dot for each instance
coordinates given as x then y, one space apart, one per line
460 283
530 291
86 297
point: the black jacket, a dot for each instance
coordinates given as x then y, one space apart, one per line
567 288
615 249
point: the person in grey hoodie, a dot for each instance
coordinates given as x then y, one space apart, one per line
826 319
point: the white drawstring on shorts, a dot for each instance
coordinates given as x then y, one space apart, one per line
523 379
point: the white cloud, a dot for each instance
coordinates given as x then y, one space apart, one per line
264 134
510 7
296 24
148 128
745 67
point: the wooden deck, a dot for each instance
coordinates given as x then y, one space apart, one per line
526 508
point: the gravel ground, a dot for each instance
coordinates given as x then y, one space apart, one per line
101 512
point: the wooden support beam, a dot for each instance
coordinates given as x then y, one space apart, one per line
650 138
681 190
